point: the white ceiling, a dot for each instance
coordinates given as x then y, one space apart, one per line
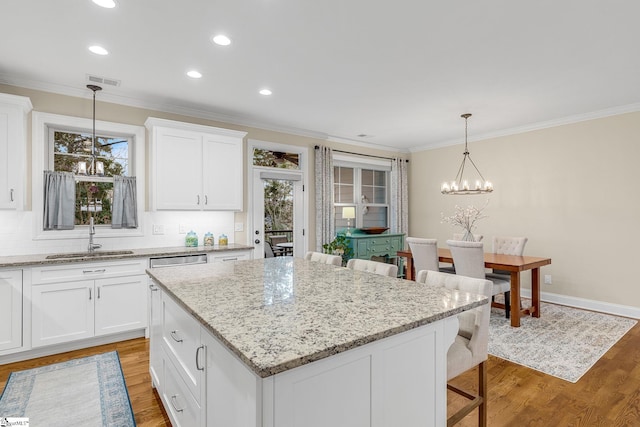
398 71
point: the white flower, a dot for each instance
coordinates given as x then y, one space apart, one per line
465 217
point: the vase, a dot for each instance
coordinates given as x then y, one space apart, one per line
468 236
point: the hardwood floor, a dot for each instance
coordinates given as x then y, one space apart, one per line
134 358
608 395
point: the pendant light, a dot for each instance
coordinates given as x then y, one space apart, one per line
96 167
462 185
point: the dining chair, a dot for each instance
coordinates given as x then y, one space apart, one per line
324 258
280 238
424 253
468 258
376 267
470 347
270 252
507 246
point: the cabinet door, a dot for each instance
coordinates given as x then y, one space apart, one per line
62 312
177 167
155 336
10 309
12 142
120 304
222 171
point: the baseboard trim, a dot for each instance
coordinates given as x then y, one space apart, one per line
69 346
587 304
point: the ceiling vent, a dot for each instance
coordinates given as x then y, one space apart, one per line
103 80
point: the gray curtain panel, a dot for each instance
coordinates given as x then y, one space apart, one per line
399 215
125 202
59 200
325 221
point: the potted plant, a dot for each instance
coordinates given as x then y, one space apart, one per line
339 246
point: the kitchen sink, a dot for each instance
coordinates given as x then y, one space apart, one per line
96 254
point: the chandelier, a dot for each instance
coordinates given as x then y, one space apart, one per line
96 167
462 185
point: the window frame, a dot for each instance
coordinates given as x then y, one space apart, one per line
42 159
360 163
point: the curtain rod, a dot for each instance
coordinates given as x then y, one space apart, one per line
366 155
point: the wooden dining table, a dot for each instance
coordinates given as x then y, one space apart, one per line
514 265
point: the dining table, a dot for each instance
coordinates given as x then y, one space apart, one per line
287 247
514 264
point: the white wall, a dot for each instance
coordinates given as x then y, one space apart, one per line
572 189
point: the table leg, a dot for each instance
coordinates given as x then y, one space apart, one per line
410 272
535 291
515 299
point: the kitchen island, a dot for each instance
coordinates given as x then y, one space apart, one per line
287 342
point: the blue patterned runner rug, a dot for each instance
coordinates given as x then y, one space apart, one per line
87 392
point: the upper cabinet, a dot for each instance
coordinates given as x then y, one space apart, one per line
195 167
13 141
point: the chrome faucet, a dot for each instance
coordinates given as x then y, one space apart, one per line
92 231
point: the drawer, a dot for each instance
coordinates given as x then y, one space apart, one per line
84 271
182 407
181 340
229 256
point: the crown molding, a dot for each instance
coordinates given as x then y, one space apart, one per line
614 111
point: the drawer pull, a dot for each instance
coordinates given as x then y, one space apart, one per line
174 399
153 288
102 270
198 359
173 335
230 259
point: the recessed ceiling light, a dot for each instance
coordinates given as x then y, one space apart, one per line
98 50
265 92
222 40
109 4
194 74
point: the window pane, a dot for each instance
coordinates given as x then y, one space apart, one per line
367 177
380 178
93 199
278 205
72 147
276 159
367 191
342 223
346 175
380 195
376 216
343 193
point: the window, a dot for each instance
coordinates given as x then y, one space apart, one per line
366 190
94 195
59 142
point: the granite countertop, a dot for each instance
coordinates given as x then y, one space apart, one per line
279 313
110 255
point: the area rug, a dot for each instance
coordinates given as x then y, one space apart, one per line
89 391
564 342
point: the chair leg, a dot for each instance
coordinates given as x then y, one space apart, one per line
507 304
475 400
482 392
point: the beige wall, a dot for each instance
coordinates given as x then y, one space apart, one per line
82 107
572 190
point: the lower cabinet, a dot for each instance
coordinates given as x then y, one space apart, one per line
87 300
10 309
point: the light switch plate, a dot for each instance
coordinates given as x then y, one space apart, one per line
158 229
182 229
239 226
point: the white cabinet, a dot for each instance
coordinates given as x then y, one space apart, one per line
195 167
10 309
87 300
155 335
13 140
227 256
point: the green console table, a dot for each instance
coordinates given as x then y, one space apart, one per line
364 246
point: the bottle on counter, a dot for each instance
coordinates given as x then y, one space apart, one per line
208 239
223 240
191 241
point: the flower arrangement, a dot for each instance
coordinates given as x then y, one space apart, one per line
466 218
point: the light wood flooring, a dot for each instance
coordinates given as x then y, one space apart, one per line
608 395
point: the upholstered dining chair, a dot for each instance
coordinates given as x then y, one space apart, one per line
507 246
471 344
424 253
468 258
323 258
376 267
268 250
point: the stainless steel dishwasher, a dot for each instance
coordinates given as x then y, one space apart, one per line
177 260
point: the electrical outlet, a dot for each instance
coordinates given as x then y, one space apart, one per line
239 226
182 229
547 279
158 229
